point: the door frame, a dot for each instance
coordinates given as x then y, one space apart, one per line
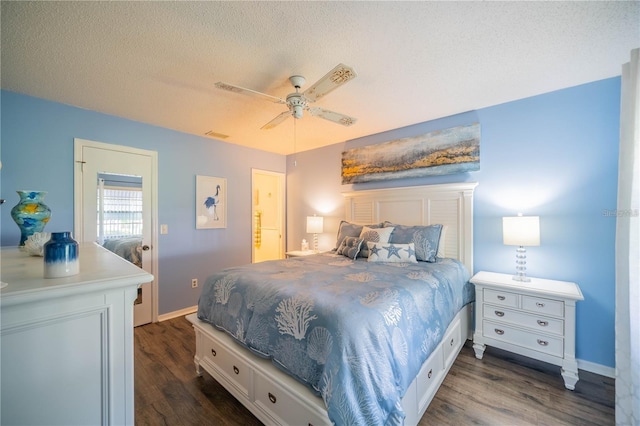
281 205
79 144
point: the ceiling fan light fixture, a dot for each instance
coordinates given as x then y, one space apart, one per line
297 104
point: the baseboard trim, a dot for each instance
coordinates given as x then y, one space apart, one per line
600 369
179 313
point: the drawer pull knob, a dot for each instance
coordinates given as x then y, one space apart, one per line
235 370
213 352
542 342
540 304
543 323
498 331
272 397
501 297
430 373
499 313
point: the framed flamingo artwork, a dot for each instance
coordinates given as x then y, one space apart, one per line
211 202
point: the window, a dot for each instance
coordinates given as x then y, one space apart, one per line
119 212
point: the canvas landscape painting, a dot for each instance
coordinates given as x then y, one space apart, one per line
454 150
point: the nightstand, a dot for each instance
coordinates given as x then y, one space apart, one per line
535 319
299 253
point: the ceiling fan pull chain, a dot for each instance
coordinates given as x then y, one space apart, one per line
295 137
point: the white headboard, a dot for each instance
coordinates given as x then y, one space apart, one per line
448 204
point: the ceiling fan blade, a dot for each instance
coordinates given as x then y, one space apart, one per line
237 89
334 79
336 117
279 119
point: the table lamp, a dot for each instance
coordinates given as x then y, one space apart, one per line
521 231
314 226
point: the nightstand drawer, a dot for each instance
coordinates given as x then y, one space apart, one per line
500 297
543 306
538 342
535 322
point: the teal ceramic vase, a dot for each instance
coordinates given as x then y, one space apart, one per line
31 214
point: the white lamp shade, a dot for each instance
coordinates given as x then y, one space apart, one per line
314 224
521 230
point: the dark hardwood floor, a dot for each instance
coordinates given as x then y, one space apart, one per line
501 389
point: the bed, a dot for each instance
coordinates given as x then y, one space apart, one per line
129 248
336 338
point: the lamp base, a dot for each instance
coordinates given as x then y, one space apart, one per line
521 278
521 262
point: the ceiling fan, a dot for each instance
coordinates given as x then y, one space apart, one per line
299 102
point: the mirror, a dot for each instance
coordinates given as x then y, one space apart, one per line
120 217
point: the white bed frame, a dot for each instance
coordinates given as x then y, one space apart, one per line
275 397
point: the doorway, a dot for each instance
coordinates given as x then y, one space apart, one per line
267 207
115 193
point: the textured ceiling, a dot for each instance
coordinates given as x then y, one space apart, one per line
157 62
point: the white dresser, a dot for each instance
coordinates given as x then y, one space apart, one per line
536 319
67 343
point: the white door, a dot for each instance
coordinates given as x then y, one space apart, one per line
268 215
93 161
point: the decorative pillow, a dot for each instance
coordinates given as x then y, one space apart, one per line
374 235
390 252
350 247
347 229
442 243
425 238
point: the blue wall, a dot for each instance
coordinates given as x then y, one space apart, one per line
554 156
37 153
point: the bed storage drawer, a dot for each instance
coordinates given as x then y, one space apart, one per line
229 365
429 376
281 404
451 342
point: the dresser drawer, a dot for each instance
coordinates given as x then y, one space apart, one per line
500 297
528 339
234 369
280 405
535 322
543 306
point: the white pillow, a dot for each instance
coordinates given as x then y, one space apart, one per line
389 252
374 235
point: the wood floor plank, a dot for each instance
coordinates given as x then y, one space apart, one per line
501 389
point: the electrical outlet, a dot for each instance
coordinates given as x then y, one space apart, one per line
194 282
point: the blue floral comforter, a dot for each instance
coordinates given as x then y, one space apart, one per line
355 332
